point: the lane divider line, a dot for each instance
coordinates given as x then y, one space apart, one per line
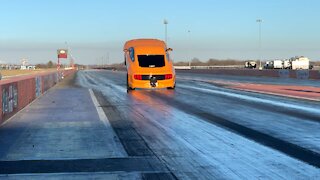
104 119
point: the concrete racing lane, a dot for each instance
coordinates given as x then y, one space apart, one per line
202 130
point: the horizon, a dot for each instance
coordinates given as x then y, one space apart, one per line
204 29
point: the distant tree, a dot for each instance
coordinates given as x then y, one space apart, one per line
181 63
213 62
316 63
41 66
50 64
197 62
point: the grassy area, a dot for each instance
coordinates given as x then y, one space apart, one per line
8 73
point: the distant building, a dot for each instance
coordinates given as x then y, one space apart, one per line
29 67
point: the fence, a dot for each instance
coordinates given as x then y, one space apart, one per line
16 93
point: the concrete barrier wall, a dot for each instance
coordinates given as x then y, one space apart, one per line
314 74
16 93
281 73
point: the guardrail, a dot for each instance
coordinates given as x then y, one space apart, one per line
182 67
209 67
18 92
281 73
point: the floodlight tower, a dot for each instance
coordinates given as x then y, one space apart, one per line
165 22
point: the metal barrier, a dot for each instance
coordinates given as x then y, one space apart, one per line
209 67
299 74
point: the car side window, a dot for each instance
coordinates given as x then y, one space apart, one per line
131 53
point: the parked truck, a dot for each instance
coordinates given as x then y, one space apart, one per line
300 62
268 65
278 64
275 64
250 64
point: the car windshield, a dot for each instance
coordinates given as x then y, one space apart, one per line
151 60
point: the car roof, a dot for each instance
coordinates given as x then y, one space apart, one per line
144 42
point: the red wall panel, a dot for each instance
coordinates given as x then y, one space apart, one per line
16 93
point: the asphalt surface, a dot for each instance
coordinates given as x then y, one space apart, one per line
90 127
200 130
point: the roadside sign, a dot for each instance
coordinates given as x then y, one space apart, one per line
62 53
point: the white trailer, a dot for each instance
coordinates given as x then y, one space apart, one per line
300 63
277 64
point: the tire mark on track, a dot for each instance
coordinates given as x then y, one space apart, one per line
131 164
285 147
285 111
132 141
129 137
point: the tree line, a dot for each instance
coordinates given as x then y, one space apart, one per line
218 62
47 65
210 62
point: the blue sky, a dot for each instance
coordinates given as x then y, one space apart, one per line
34 29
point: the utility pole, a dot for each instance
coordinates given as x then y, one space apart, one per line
107 58
259 21
69 52
188 52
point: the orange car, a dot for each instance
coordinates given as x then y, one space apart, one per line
148 64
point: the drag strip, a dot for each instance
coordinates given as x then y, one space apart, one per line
196 133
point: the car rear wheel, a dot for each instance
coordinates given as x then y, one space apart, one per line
172 87
128 87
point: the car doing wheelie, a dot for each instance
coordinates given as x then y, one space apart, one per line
148 64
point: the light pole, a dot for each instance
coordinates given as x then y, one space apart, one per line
189 51
165 22
259 21
108 58
69 53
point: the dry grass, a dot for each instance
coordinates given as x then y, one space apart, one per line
8 73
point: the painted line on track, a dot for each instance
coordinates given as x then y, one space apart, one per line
103 117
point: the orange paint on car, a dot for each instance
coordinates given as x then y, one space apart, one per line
148 64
